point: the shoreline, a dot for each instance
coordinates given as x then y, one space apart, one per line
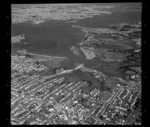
24 52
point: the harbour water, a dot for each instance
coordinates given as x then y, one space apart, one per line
105 20
55 38
50 38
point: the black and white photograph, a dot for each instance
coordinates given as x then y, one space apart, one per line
76 64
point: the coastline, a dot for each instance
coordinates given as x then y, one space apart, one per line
24 52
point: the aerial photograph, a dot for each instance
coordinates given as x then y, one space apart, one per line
76 64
